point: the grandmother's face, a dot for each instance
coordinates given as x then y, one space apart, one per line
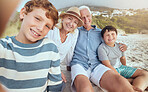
70 23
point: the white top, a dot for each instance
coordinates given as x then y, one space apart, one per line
66 49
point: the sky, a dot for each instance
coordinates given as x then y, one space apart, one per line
121 4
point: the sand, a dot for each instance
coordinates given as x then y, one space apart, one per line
136 55
137 52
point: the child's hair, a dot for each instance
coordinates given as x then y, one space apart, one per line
45 4
108 28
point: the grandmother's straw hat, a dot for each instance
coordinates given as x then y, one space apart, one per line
73 11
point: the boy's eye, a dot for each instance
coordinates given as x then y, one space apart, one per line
48 26
113 34
107 35
37 18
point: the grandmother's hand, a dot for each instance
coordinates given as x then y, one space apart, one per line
63 77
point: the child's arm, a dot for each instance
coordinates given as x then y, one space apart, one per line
107 64
54 78
1 89
123 60
55 82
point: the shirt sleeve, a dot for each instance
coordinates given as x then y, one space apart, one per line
102 53
55 82
50 34
70 53
3 47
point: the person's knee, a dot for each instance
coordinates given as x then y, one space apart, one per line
117 82
82 84
145 73
78 80
140 72
122 85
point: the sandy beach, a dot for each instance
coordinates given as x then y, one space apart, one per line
137 52
136 55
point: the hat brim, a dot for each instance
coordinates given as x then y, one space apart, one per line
80 21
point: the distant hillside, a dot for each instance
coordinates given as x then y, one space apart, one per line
130 24
92 8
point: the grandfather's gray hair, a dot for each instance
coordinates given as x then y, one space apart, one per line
84 7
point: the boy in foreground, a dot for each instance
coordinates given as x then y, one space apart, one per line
28 61
111 56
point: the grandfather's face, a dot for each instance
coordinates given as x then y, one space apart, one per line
86 18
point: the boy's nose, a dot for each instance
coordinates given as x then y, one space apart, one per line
40 27
110 36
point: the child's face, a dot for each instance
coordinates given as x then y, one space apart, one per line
35 25
110 37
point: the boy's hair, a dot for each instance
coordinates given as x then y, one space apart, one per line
45 4
108 28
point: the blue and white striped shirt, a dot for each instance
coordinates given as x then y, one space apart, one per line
29 67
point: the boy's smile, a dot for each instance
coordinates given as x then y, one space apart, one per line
35 34
35 25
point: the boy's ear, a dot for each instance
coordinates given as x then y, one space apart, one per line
22 13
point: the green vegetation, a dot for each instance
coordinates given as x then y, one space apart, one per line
130 24
137 23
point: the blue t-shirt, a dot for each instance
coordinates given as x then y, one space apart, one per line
85 52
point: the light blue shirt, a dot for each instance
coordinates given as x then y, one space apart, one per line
85 52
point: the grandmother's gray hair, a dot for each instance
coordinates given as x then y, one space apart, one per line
84 7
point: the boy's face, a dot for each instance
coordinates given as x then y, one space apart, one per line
110 37
35 25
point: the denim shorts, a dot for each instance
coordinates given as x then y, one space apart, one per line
126 71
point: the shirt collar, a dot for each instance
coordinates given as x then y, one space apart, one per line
94 26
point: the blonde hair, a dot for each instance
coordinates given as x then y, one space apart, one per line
59 25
